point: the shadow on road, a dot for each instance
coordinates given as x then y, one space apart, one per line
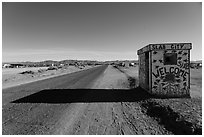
171 120
85 96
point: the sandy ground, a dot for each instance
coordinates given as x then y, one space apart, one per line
108 118
170 112
12 77
11 71
196 83
143 115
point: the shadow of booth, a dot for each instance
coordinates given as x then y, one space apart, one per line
58 96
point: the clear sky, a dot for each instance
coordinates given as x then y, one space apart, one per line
96 31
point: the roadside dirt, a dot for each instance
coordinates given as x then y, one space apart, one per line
178 115
109 118
112 105
196 83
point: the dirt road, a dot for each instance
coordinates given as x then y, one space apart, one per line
94 101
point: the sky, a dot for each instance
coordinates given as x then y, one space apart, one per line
96 31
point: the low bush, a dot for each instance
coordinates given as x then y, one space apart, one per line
52 68
27 72
41 70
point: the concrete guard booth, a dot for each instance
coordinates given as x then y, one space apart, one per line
164 69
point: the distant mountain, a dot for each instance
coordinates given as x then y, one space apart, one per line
85 62
120 61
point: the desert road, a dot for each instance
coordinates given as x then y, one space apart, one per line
20 116
95 101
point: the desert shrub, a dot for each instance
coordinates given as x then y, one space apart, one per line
41 70
59 67
52 68
27 72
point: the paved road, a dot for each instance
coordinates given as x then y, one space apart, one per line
37 108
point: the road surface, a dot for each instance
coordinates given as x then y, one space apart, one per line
93 101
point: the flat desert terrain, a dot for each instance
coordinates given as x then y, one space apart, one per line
196 83
12 77
102 100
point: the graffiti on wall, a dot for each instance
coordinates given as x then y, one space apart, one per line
170 79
